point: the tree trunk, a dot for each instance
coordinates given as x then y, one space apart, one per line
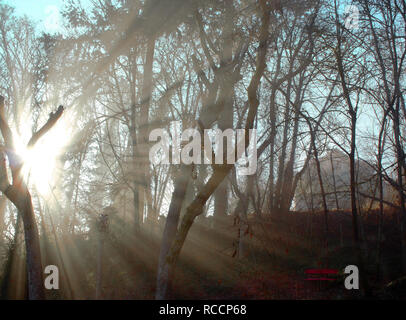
171 226
11 254
400 162
353 184
227 92
22 200
143 146
323 194
334 181
242 213
99 277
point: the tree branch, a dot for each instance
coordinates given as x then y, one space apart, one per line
53 118
4 128
221 171
4 181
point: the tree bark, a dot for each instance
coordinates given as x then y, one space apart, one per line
171 226
22 200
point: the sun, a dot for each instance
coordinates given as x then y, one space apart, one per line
40 161
39 165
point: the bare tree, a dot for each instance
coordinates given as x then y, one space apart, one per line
20 196
219 171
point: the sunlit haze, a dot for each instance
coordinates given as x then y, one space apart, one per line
40 161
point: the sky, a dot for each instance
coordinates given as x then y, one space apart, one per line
45 12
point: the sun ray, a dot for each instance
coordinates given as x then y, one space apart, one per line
40 160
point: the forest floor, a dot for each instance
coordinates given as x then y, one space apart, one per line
278 251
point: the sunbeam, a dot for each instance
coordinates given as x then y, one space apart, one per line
39 161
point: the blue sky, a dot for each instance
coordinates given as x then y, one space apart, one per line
45 12
35 9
